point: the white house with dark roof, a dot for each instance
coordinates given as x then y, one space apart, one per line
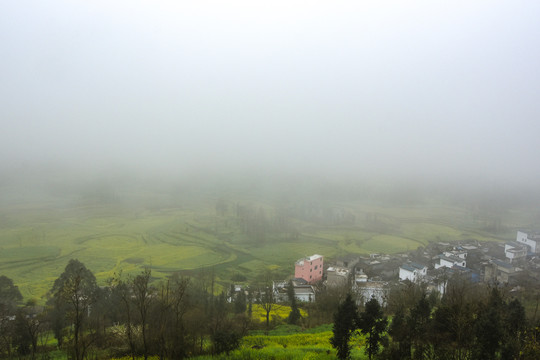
412 271
450 261
456 253
304 293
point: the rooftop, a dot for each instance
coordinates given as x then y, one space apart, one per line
308 258
338 270
514 244
450 258
502 264
412 266
304 290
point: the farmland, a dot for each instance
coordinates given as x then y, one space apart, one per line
37 239
288 342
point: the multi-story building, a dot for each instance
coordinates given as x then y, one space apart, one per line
531 239
515 251
309 268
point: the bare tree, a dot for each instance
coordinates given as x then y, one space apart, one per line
73 294
266 300
143 296
122 290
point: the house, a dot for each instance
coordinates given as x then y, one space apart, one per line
337 276
531 239
412 271
305 293
302 291
234 290
499 271
309 268
360 277
450 261
515 251
367 290
279 288
456 253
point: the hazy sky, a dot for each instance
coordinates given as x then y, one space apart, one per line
410 88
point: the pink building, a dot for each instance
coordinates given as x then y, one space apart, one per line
309 269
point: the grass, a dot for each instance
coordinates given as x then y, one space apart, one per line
37 240
290 343
389 244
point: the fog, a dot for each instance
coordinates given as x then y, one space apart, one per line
354 91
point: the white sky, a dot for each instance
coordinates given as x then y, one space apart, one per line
406 88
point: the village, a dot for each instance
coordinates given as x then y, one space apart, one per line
511 263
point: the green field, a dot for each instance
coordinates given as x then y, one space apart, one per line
37 240
288 342
291 343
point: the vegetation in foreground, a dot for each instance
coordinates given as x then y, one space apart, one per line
181 318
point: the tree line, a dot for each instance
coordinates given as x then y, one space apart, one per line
470 321
133 315
180 317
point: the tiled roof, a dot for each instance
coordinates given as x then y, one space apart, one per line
408 267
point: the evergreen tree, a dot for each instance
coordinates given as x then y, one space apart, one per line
399 332
442 334
419 326
22 340
514 318
373 323
240 300
250 302
514 326
345 320
488 327
294 315
10 296
453 320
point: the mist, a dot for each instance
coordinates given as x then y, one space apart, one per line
414 94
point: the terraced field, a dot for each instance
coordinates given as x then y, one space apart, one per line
37 241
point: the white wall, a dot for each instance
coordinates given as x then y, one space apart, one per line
524 239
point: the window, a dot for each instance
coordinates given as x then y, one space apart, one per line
316 266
